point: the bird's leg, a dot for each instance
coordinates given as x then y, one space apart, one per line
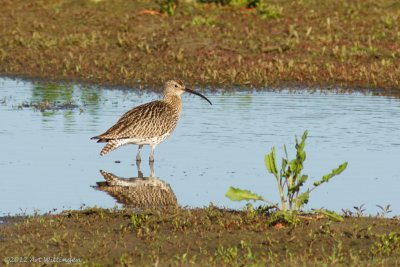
152 173
140 173
138 153
151 158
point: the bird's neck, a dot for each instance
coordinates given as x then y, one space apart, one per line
174 101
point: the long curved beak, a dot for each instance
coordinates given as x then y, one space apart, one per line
196 93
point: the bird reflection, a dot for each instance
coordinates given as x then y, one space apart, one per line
138 192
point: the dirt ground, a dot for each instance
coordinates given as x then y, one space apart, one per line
198 237
286 43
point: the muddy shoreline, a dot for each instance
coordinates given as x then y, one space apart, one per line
292 86
201 237
112 43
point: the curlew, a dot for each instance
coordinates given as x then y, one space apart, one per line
147 124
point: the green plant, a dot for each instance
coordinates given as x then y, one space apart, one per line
330 214
181 223
289 218
384 210
269 11
138 219
289 178
167 6
228 255
198 20
387 244
218 2
245 3
359 210
388 21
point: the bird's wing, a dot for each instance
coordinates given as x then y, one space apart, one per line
148 120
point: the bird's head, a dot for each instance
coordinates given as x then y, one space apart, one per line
177 88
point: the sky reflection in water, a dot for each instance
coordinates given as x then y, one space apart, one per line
47 160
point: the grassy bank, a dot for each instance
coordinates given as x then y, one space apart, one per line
200 237
346 43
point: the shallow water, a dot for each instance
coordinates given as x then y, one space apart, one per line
48 162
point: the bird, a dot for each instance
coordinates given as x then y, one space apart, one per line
148 124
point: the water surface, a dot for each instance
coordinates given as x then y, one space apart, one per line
48 162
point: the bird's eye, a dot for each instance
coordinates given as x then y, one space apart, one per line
176 86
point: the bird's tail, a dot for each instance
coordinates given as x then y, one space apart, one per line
111 145
109 177
99 139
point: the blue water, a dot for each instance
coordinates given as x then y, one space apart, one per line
48 162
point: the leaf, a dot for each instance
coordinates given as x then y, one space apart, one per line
290 182
303 179
304 137
302 199
270 162
330 214
237 194
286 154
299 184
284 164
301 156
293 165
300 146
318 183
333 173
340 169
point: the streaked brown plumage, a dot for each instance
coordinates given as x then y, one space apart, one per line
140 196
147 124
138 192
